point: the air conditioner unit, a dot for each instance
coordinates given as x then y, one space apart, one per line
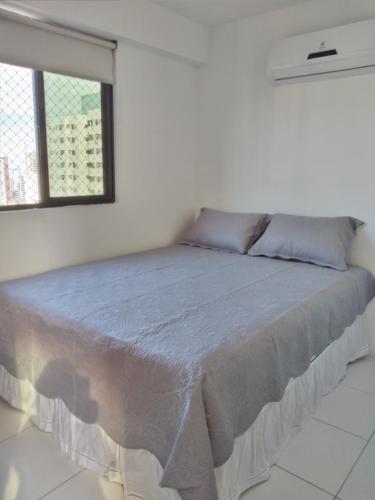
344 49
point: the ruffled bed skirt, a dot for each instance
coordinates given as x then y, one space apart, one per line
254 452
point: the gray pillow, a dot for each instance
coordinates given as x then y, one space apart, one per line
320 240
226 231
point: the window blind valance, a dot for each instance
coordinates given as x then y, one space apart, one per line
40 46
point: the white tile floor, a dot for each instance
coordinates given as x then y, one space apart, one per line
333 457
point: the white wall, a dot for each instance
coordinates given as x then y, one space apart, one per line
306 148
155 115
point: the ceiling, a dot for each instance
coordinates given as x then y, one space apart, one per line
213 12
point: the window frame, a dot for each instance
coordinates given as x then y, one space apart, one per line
42 153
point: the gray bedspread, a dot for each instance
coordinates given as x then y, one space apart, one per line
175 350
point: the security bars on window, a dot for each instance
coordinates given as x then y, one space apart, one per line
56 140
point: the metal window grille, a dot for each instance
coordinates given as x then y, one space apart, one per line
56 140
19 164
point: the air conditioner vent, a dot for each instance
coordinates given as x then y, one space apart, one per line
324 53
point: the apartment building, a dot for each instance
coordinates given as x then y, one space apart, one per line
75 152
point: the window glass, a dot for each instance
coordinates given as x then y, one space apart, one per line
74 136
19 169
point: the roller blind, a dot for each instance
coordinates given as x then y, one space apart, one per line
40 46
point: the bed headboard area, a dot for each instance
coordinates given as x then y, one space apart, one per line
305 148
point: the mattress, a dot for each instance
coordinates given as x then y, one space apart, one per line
175 351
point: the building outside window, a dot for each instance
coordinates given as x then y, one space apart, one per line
52 126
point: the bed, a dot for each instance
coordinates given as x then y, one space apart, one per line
180 372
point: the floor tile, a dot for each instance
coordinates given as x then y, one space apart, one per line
11 421
322 454
350 409
32 465
361 483
361 375
284 486
87 486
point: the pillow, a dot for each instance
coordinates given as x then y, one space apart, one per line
320 240
225 231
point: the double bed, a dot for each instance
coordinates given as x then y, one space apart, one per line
180 372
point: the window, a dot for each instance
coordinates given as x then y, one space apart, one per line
45 120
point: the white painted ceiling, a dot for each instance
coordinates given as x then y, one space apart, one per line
213 12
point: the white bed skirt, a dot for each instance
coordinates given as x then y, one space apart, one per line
254 452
